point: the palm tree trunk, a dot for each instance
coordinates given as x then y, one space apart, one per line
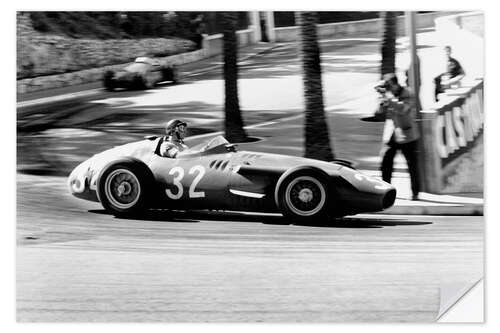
388 49
233 120
317 138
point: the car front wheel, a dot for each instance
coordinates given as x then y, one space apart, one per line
122 188
303 195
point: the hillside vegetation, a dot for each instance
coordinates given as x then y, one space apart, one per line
116 25
53 49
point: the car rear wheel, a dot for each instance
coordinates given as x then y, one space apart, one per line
108 81
123 187
303 195
169 74
138 82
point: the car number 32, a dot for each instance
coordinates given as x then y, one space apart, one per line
178 173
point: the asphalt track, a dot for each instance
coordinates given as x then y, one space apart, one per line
77 263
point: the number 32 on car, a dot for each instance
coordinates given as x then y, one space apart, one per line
178 173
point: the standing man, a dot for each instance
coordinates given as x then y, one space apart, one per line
197 29
400 131
454 73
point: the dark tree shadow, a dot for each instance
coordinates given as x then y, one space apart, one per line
159 215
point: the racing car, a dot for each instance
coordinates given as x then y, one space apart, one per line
215 175
143 73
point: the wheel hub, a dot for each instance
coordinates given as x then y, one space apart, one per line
305 195
124 188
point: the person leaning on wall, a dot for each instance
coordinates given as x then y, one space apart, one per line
449 79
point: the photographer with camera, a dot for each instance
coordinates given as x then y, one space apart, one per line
398 108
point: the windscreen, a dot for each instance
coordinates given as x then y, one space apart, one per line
207 145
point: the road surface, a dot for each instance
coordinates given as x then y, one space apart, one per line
76 263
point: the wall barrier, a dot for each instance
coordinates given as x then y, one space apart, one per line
450 129
212 46
291 34
94 74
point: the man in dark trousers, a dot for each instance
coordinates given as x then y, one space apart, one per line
400 131
454 73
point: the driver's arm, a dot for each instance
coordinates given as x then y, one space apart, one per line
168 149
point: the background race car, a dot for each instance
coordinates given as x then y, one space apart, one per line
143 73
214 175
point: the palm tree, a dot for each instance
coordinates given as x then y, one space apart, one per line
388 48
233 120
317 138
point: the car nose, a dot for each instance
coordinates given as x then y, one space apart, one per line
78 177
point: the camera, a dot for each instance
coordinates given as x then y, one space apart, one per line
381 87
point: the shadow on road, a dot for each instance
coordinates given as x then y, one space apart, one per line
275 219
350 222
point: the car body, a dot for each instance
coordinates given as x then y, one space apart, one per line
215 175
143 73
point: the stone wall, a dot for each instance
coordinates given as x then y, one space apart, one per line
290 34
213 44
44 54
93 74
47 62
466 174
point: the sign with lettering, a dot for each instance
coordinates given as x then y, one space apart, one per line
458 124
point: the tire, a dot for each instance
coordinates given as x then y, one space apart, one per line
108 82
139 82
175 75
123 187
304 194
169 74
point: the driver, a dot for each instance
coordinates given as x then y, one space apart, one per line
173 143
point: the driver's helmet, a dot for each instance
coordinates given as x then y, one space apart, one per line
175 126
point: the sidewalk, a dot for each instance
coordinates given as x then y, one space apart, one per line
430 204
